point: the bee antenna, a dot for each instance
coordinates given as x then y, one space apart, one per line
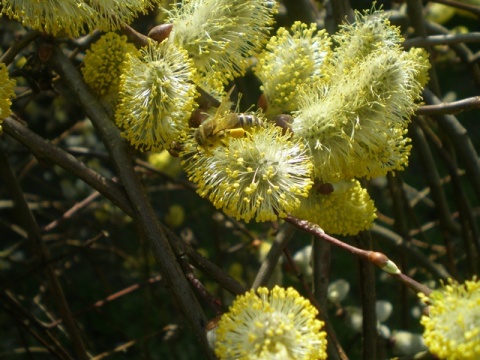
237 107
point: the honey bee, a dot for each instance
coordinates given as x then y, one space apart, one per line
212 130
224 123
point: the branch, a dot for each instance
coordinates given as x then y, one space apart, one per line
382 234
376 258
453 107
29 222
144 214
462 50
460 140
416 19
18 46
462 6
31 324
368 295
447 39
112 191
434 181
268 265
45 151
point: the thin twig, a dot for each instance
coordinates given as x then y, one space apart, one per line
321 256
335 348
32 326
112 297
432 176
214 272
461 141
27 218
416 18
447 39
134 36
460 5
467 218
462 50
70 212
453 107
376 258
112 191
18 46
122 348
342 13
383 234
45 151
268 265
368 296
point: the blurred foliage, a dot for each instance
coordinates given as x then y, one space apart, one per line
108 273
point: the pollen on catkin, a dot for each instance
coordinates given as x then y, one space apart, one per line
369 32
74 17
7 92
113 14
55 17
220 35
259 176
156 96
347 210
292 58
103 64
355 124
270 324
452 329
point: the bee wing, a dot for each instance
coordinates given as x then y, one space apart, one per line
223 122
226 104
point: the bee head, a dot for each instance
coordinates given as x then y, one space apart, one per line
198 136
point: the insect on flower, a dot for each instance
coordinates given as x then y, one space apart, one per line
224 123
213 130
323 188
285 122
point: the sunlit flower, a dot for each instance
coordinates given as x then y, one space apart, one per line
290 59
347 210
53 16
7 86
355 125
276 324
369 32
74 17
220 35
452 329
112 14
261 175
103 64
156 96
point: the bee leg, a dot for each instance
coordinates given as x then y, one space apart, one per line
236 133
